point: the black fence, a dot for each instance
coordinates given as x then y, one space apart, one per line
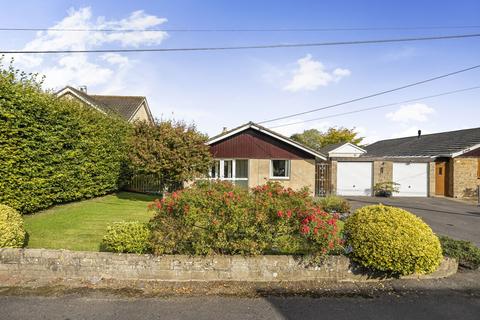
146 183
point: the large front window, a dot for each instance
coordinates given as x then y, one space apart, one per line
280 169
234 170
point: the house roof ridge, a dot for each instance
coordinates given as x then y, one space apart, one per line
271 132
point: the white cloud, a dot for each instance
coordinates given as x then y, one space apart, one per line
76 70
81 69
115 58
411 112
312 74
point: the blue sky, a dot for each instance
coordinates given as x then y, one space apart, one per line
226 89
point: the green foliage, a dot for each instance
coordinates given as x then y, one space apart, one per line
467 254
393 240
54 150
385 189
219 218
316 139
127 237
12 231
172 150
334 204
81 225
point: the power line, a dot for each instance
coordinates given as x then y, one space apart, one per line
373 95
268 46
330 29
378 107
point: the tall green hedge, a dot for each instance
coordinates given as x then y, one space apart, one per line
53 150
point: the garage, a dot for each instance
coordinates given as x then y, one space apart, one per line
412 177
354 178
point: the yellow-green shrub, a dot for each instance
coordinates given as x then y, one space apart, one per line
127 237
393 240
12 231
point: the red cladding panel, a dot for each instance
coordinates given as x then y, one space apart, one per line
251 144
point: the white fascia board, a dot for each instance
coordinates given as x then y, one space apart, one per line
147 109
65 90
459 153
349 144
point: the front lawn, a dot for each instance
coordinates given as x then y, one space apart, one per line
81 225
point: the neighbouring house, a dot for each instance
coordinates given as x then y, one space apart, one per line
130 108
440 164
251 155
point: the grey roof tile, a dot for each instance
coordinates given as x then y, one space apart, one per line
428 145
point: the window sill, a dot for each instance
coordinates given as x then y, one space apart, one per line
279 178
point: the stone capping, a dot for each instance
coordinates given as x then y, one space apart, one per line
43 264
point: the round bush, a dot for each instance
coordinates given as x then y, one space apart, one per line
127 237
12 231
393 240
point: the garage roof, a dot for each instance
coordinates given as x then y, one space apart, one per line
443 144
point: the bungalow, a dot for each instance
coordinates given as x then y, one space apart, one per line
440 164
130 108
250 155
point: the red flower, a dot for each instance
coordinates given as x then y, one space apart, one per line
280 213
305 229
289 213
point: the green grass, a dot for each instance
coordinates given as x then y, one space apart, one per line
81 225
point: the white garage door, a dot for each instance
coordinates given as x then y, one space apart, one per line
354 178
412 177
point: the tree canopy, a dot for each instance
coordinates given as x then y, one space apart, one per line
316 139
172 150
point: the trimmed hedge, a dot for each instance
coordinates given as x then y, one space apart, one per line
53 150
12 230
393 240
127 237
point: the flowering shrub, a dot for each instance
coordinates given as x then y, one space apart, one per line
219 218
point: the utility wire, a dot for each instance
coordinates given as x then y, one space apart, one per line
326 29
373 95
268 46
378 107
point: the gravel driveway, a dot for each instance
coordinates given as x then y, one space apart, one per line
448 217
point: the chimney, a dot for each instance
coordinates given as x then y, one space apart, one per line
83 89
419 133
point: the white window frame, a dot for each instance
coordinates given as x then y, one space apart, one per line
289 169
222 170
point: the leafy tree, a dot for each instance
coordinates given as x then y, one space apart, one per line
316 139
172 150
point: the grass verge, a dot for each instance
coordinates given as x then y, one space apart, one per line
82 225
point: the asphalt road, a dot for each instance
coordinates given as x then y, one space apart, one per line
413 306
459 220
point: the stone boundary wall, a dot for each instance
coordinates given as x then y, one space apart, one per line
92 267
